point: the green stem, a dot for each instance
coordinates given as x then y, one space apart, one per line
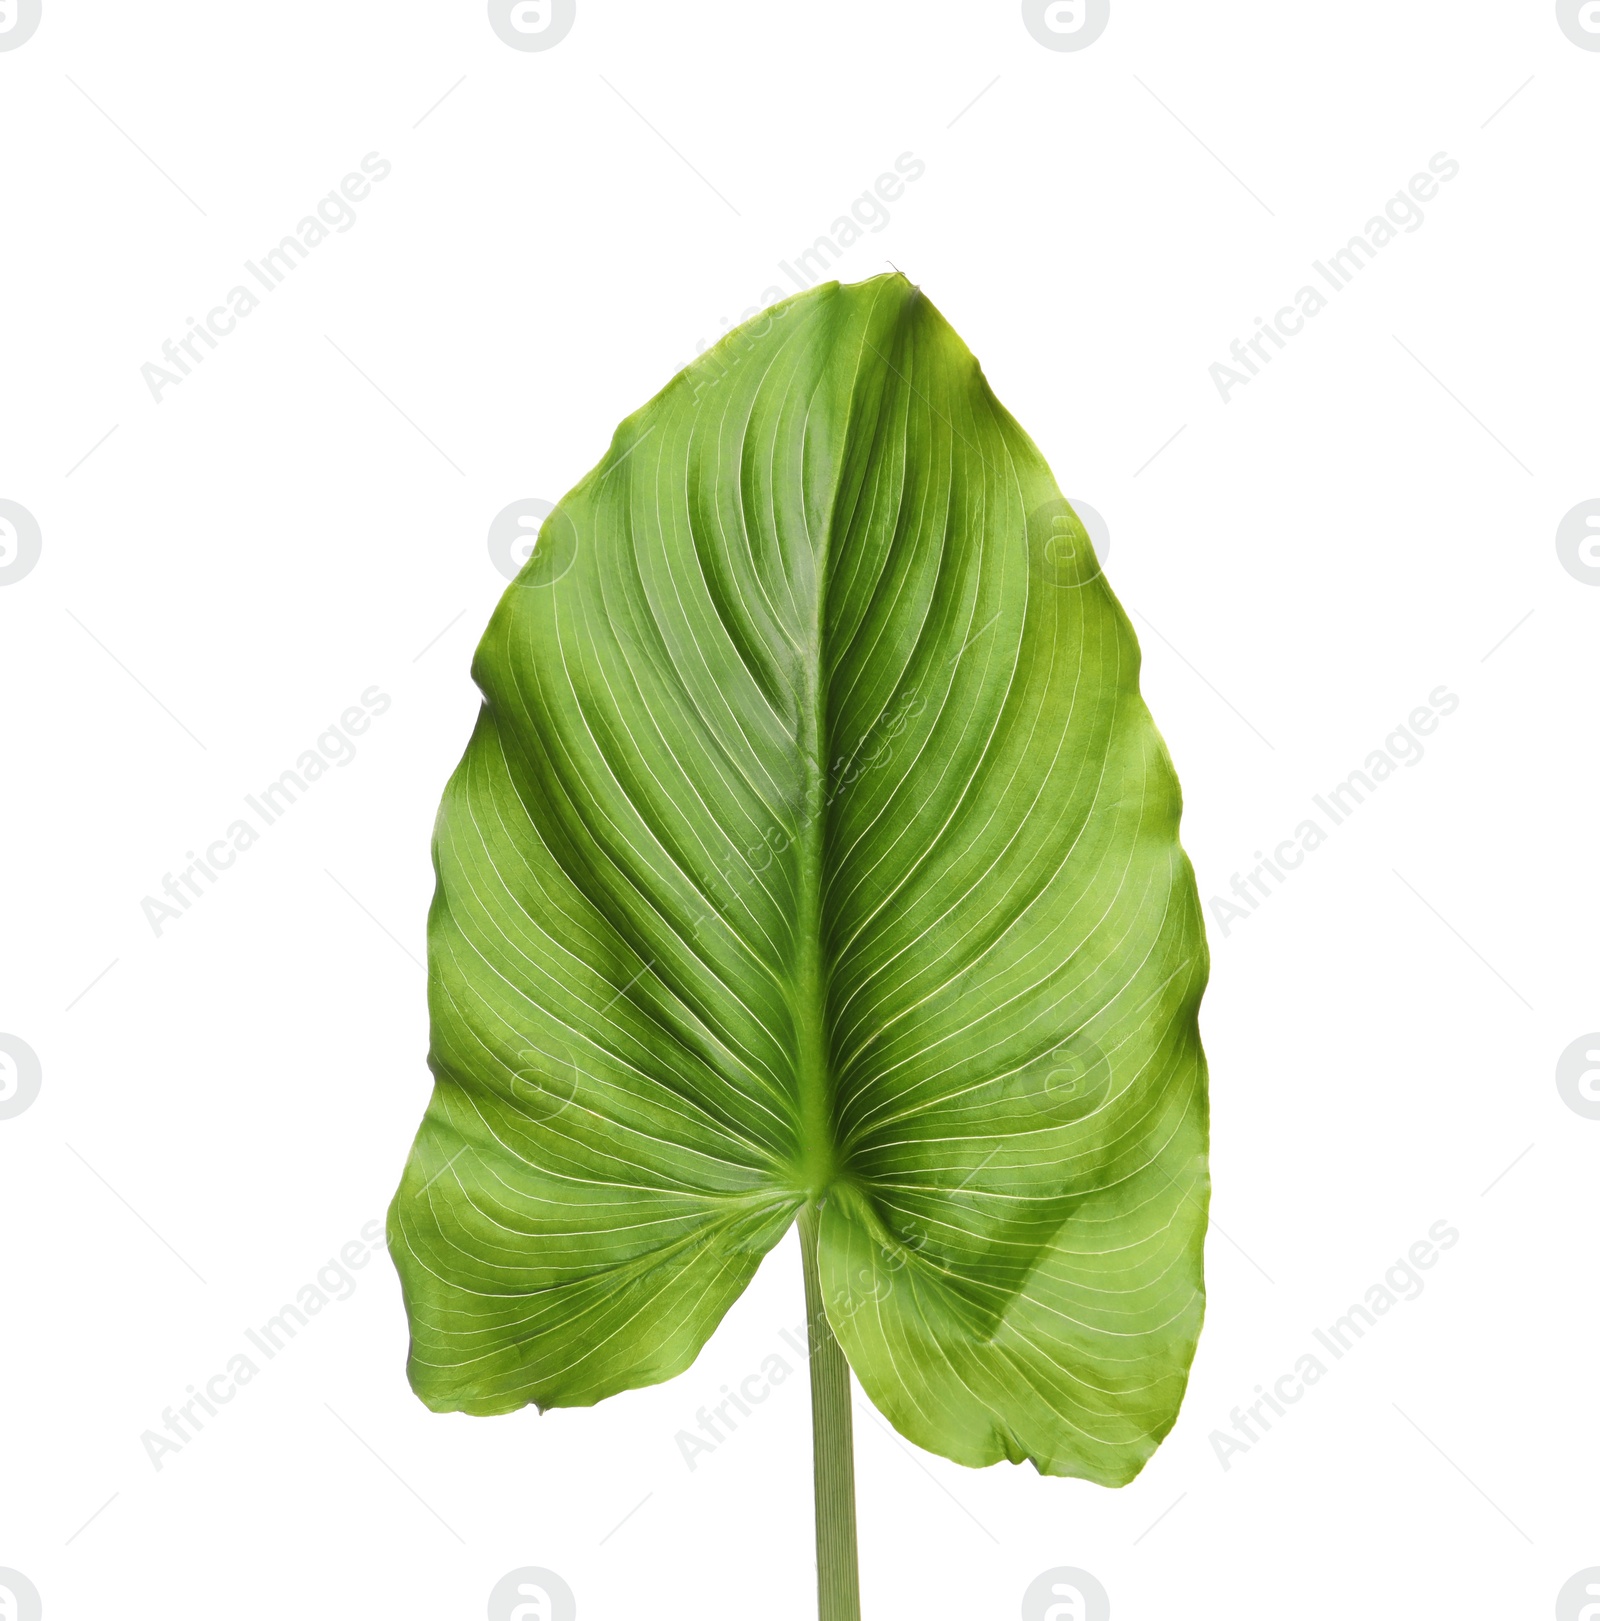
832 1447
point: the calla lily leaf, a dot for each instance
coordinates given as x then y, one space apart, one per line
814 850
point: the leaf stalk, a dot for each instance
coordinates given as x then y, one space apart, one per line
832 1446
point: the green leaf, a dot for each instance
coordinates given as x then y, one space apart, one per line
814 845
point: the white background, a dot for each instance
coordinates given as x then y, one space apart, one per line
231 568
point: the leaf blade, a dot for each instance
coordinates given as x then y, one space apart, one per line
814 841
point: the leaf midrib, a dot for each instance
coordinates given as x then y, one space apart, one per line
819 1147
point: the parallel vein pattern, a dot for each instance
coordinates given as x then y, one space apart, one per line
814 844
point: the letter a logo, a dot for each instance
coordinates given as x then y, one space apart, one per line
1069 1606
1065 1594
537 1607
532 1594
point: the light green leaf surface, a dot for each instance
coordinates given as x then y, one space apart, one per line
814 843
